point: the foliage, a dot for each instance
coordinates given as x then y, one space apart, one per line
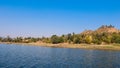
55 39
71 38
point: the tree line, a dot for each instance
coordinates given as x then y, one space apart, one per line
71 38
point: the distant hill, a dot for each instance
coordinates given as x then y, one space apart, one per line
87 32
102 29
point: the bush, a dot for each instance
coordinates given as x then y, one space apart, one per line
55 39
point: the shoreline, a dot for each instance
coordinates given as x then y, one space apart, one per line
113 47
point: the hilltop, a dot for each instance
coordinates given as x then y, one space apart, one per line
107 29
102 29
103 35
108 37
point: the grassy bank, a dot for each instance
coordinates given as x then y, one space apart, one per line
82 46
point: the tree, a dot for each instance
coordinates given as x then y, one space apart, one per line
88 39
97 38
76 40
115 38
96 41
46 40
55 39
18 39
110 26
0 39
9 39
106 38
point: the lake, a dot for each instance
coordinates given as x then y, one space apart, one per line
21 56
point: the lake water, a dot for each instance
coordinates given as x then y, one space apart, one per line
20 56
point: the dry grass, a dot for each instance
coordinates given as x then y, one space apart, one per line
82 46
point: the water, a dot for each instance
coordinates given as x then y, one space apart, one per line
19 56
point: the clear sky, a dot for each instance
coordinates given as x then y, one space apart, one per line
47 17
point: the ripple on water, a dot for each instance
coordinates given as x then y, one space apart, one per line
15 56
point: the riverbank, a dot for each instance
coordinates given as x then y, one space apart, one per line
82 46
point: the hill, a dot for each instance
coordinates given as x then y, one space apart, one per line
103 35
102 29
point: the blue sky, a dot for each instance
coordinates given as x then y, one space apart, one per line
47 17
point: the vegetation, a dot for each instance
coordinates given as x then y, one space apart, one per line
72 38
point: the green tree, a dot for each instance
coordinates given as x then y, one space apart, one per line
18 39
0 39
88 39
55 39
9 39
116 38
76 40
97 39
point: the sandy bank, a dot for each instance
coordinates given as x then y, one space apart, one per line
82 46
